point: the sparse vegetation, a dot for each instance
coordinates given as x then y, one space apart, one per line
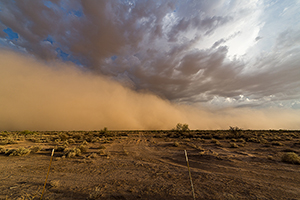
8 141
276 143
182 127
18 152
35 149
234 145
215 141
72 152
290 157
176 144
110 152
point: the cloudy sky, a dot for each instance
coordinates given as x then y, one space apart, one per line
215 54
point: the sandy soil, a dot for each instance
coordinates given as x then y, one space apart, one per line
152 165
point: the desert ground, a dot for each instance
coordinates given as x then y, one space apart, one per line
104 164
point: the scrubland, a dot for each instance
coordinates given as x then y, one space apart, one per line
104 164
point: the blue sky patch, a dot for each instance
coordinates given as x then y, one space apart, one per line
49 4
61 54
114 57
67 57
11 35
49 39
78 13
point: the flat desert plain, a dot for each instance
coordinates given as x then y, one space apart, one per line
224 164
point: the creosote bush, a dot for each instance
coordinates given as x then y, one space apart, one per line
18 152
8 141
182 127
72 152
217 142
35 149
233 145
176 144
290 157
2 150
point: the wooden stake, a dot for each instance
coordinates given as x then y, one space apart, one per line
187 161
47 174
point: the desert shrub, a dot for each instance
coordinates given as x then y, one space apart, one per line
290 157
122 134
276 143
95 139
85 142
109 134
235 132
18 152
72 152
71 141
262 140
57 141
65 143
214 140
4 134
54 183
2 150
54 137
241 140
101 147
217 142
93 155
7 141
182 127
201 140
95 194
176 144
257 140
78 136
27 132
219 136
234 129
63 136
35 149
60 148
233 145
83 148
174 135
209 136
35 140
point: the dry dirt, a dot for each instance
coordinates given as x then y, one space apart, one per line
152 165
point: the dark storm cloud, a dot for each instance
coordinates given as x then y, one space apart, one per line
152 46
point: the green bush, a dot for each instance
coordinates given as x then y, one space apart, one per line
27 132
182 127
